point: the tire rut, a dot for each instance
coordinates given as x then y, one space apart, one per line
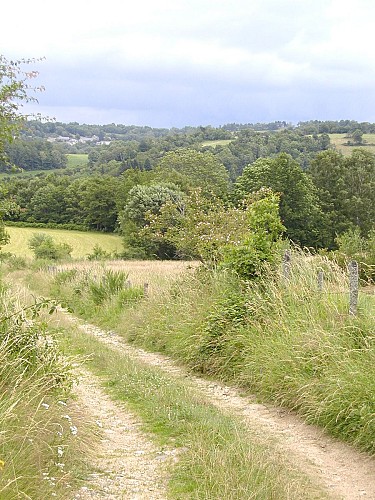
127 464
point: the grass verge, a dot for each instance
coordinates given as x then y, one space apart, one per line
43 432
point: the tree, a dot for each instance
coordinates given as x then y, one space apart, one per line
196 170
49 205
241 238
14 90
143 203
327 172
357 136
98 203
299 204
359 178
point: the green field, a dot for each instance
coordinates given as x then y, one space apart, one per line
339 140
219 142
81 241
77 160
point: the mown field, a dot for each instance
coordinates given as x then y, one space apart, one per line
340 140
219 142
82 242
77 160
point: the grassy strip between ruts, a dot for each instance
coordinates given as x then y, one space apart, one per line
222 458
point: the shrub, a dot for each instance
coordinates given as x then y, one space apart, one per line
353 246
111 283
260 246
44 247
98 253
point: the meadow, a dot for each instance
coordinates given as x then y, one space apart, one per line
218 142
340 140
77 160
83 243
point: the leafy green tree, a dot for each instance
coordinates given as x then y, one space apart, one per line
242 238
98 203
359 179
196 170
357 136
14 90
7 207
299 204
144 202
48 205
328 173
196 230
346 189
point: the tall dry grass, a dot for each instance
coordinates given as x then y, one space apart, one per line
39 448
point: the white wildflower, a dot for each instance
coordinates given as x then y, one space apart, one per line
45 405
73 430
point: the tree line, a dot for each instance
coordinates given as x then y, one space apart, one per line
31 155
40 129
334 194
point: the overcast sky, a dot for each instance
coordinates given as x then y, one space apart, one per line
170 63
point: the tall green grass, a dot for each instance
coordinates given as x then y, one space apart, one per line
40 452
105 292
282 339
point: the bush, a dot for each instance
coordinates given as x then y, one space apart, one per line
111 283
44 247
98 253
48 225
248 257
353 246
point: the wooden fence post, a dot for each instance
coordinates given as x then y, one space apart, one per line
286 264
353 285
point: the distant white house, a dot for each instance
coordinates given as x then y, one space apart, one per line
83 140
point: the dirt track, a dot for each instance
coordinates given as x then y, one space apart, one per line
343 472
